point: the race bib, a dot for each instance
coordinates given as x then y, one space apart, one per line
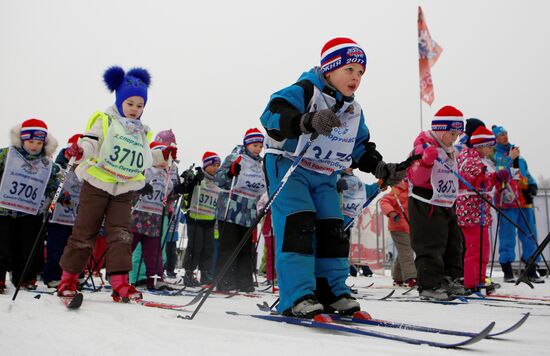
24 183
250 183
355 197
153 203
331 153
125 151
205 198
444 182
66 215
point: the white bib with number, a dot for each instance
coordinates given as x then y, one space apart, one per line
153 203
331 153
66 215
205 199
125 152
24 182
251 180
444 182
354 197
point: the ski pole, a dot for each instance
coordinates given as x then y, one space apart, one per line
401 166
204 295
46 219
494 247
532 235
532 261
481 223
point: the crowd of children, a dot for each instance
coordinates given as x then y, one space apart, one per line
133 196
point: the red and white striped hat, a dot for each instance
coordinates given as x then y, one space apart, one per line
155 145
210 158
482 137
341 51
33 129
448 118
253 135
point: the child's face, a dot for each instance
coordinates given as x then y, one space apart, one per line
212 169
132 108
485 151
346 79
449 137
33 146
255 148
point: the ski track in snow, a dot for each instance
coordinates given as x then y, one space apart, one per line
31 326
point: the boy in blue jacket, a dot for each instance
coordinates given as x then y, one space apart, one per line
312 249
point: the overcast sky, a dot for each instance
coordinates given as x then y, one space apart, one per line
215 63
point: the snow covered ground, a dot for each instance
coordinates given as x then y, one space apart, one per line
31 326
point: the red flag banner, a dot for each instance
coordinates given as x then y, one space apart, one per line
429 52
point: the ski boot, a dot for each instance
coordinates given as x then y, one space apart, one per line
2 287
189 280
307 308
411 282
533 276
452 286
68 285
397 283
367 272
346 305
436 294
122 290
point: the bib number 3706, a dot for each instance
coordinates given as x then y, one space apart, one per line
27 190
121 154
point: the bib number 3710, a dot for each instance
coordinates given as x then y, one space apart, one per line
121 154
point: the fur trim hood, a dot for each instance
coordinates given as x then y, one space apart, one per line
49 146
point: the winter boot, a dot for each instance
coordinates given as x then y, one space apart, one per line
346 305
411 282
189 280
436 294
122 290
508 272
452 287
205 277
68 285
2 287
307 308
31 285
353 271
533 275
397 283
367 272
53 284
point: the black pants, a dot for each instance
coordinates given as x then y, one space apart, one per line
58 235
171 257
239 274
200 246
17 237
436 241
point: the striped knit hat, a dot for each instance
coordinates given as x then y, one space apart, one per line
210 158
448 118
155 145
339 52
33 129
253 136
482 137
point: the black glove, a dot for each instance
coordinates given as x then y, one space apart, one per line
322 122
389 174
180 188
199 176
341 185
533 189
235 168
187 175
370 159
147 189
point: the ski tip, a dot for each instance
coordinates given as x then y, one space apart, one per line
75 301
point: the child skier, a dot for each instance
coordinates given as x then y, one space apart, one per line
201 218
243 182
28 178
307 212
435 235
62 220
396 207
148 219
113 154
469 205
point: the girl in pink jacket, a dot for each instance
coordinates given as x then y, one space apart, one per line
435 235
473 167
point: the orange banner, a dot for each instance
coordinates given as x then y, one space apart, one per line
429 52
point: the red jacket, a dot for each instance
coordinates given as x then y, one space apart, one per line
388 203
